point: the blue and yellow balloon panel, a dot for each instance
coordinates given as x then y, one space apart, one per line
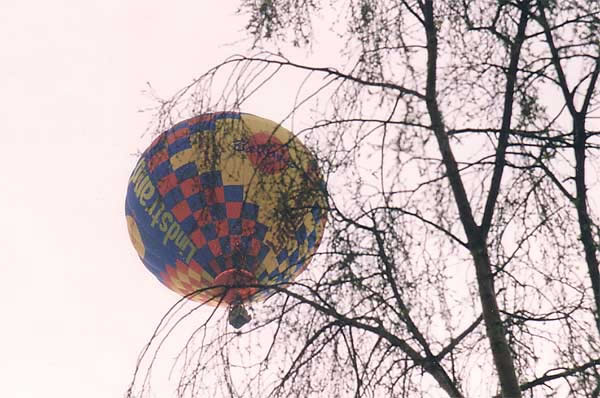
226 199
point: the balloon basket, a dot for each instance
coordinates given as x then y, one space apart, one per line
238 316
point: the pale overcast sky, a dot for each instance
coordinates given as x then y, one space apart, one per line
77 305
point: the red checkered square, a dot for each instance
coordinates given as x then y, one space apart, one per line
190 186
171 272
158 158
235 242
215 247
214 195
194 266
167 184
220 194
215 266
198 238
248 227
234 209
254 247
202 217
199 119
181 267
182 211
222 227
177 134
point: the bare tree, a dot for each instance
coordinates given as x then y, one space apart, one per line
461 255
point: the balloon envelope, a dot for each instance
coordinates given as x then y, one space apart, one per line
226 199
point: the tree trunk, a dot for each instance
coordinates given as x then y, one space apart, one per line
491 315
583 216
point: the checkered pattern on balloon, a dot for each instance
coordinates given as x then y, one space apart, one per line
226 199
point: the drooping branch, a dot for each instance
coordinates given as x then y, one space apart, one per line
511 81
432 363
579 148
550 375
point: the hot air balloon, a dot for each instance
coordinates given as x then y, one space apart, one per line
223 205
